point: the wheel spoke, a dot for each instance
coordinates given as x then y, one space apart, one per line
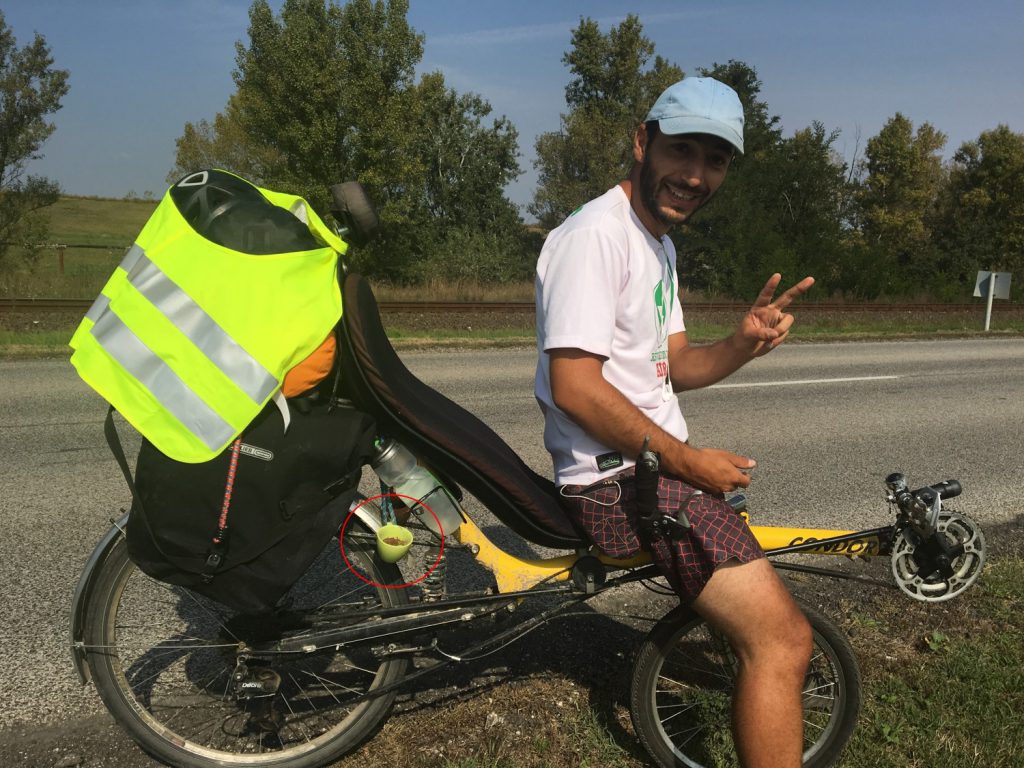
684 737
683 686
165 661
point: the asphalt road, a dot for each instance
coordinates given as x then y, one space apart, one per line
826 423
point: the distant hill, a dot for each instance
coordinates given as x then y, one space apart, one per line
98 221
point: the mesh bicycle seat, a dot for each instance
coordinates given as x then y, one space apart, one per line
449 438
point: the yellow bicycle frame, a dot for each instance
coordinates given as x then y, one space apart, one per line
514 574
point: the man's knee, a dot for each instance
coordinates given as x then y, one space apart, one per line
782 643
794 644
751 606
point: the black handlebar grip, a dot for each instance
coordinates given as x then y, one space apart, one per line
896 482
948 489
945 490
646 480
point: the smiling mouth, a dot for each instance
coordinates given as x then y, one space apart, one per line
682 195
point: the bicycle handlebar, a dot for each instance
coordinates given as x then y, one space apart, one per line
647 467
653 521
922 506
903 496
947 489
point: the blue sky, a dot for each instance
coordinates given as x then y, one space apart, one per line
141 68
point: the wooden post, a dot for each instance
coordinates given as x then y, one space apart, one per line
60 258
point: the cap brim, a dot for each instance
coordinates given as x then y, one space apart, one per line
673 126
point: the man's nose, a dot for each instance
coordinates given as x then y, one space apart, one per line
693 172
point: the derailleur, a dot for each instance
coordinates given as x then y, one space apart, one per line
254 686
254 682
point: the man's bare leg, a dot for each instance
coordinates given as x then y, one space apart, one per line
749 604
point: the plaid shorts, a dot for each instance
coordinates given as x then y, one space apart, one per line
607 512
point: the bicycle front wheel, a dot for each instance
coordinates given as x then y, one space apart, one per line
165 663
683 680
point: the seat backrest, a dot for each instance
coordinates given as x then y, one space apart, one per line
445 435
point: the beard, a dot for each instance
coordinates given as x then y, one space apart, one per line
649 197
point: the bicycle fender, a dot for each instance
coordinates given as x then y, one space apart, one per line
367 511
83 593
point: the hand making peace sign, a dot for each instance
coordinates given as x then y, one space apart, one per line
766 325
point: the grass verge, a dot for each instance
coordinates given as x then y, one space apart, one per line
23 335
949 695
943 688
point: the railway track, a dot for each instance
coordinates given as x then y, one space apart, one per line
46 305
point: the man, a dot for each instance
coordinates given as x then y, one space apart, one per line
613 352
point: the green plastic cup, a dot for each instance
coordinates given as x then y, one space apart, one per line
393 542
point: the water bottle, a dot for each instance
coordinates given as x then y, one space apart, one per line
396 466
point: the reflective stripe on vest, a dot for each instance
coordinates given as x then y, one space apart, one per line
103 301
164 384
199 328
124 346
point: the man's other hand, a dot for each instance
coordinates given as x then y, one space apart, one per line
716 470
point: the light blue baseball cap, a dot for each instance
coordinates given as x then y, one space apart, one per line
700 105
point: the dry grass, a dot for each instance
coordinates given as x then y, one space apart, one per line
457 290
536 722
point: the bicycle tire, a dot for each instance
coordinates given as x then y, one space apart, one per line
681 694
162 659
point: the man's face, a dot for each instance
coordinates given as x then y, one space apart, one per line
679 174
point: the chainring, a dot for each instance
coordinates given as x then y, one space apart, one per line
960 533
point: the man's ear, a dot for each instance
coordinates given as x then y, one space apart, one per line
640 142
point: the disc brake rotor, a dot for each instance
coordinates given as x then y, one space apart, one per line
933 571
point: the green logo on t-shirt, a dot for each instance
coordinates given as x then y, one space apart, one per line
660 308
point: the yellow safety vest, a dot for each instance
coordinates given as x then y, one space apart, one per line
189 340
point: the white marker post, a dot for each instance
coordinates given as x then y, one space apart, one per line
992 285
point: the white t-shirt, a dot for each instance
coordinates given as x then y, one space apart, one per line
605 285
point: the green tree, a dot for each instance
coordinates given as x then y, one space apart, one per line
610 91
783 207
30 90
478 231
326 93
732 245
331 87
812 203
225 143
903 176
761 130
981 218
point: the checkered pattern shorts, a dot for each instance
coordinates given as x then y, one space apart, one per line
607 512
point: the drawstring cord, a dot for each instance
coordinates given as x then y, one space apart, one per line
222 522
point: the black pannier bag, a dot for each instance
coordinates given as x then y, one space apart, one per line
288 495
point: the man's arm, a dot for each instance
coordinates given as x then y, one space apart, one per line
579 389
762 329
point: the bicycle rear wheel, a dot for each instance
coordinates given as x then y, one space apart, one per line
163 660
681 699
